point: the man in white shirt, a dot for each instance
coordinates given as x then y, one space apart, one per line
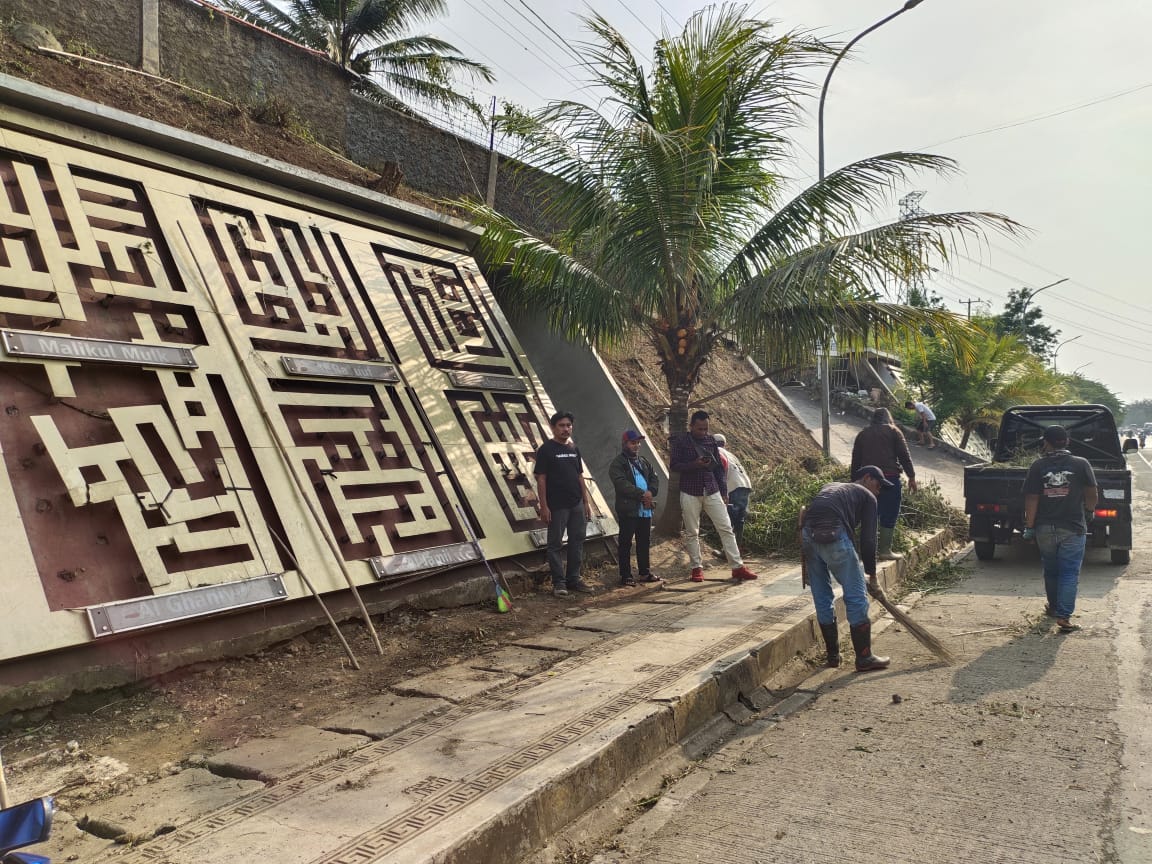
924 421
739 487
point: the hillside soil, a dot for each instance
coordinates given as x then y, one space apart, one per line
88 746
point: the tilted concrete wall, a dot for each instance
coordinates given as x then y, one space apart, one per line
222 372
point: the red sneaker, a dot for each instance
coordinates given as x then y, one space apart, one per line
743 574
697 574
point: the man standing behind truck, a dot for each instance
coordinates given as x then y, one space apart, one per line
1058 490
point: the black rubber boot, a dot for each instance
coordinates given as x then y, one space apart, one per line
831 636
866 661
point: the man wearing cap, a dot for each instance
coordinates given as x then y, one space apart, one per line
827 530
1059 496
703 489
881 443
739 487
636 486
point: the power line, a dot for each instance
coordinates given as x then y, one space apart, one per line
669 14
639 20
1146 310
553 37
1037 118
523 42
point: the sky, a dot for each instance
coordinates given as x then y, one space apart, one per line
1045 104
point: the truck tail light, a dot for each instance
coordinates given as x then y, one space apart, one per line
1105 514
991 508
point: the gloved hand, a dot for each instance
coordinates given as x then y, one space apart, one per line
1029 534
874 587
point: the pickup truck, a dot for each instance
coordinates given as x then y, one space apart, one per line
994 491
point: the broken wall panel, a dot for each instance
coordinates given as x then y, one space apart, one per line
209 380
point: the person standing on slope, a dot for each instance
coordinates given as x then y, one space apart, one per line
881 443
924 420
739 487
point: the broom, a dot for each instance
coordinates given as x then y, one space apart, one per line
503 600
923 634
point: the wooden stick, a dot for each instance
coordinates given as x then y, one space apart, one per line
318 524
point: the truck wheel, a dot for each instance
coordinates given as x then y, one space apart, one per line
986 549
1120 556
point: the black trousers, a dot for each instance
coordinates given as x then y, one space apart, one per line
640 529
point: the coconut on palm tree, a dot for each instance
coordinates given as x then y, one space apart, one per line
373 39
676 219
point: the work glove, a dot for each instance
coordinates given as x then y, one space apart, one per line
874 587
1029 534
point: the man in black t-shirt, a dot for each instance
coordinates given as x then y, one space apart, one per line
564 504
1059 489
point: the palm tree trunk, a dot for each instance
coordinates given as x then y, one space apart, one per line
964 437
668 525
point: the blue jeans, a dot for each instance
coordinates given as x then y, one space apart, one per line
888 502
572 520
838 559
1062 553
738 508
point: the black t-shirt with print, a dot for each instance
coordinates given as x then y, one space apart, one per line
1059 478
561 464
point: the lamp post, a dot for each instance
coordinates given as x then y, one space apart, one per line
825 385
1028 295
1078 368
1061 345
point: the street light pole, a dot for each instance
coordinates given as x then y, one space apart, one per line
1061 345
825 353
1028 295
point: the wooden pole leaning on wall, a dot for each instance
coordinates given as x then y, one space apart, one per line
285 455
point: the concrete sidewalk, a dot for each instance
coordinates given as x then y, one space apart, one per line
477 762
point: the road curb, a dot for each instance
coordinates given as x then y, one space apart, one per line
736 689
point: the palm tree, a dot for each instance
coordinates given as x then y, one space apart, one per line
1002 371
672 198
371 38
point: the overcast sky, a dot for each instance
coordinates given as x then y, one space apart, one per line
933 79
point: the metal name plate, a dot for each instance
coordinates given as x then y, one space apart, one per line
592 529
480 381
316 368
125 615
18 343
424 559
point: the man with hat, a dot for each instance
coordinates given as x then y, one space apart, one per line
1059 497
636 485
827 528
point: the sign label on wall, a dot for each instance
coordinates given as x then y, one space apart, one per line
18 343
317 368
122 615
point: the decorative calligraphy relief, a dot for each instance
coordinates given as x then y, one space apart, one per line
361 446
201 385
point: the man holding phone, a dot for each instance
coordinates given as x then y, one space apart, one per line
703 488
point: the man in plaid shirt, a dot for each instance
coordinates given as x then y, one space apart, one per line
694 455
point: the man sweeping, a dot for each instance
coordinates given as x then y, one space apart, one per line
827 531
